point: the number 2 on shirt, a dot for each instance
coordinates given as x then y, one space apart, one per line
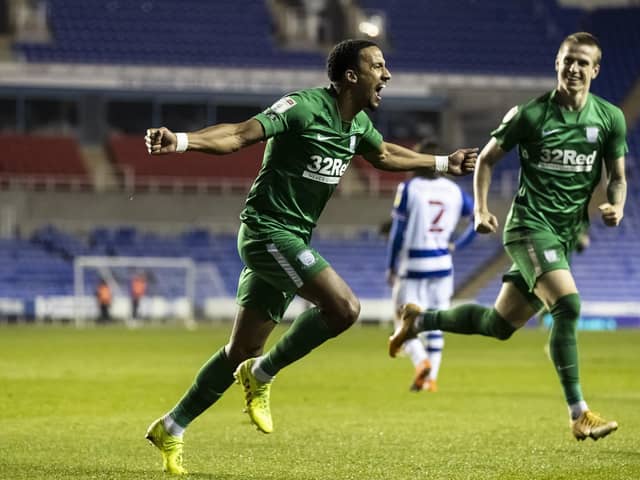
439 206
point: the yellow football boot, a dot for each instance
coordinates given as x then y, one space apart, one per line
256 394
170 447
590 424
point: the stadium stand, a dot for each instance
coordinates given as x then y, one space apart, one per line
207 250
202 33
41 161
59 243
633 184
42 266
499 38
28 270
620 266
229 172
617 30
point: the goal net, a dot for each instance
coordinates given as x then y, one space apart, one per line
165 289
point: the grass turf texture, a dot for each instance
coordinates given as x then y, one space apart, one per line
76 403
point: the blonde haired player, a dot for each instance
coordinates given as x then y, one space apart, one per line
565 138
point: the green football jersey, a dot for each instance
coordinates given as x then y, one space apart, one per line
308 151
561 155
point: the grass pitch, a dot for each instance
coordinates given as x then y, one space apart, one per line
76 403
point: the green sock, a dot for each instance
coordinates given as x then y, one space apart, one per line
563 345
307 331
210 383
467 319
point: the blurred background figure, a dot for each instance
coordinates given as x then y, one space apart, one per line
138 291
426 212
104 297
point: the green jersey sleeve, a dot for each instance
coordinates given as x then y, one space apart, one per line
616 143
371 138
289 114
508 133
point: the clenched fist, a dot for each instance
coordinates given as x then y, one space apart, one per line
611 214
463 161
160 141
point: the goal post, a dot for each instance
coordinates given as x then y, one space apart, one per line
170 294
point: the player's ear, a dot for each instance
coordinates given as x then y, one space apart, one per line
351 76
559 58
596 70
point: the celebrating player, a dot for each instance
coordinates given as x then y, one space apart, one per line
313 134
563 139
426 211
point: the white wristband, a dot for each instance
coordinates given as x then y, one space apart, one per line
182 142
442 163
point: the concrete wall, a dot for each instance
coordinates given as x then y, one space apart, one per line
79 212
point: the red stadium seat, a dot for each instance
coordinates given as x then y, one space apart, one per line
42 161
236 170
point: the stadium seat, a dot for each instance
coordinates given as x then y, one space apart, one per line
41 161
233 171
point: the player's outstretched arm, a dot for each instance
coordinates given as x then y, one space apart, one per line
484 220
613 210
395 157
217 139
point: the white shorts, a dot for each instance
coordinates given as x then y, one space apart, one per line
434 293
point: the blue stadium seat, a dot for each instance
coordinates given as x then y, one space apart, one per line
498 37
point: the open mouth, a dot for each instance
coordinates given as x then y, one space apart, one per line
379 91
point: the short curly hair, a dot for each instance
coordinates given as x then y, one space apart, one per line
345 56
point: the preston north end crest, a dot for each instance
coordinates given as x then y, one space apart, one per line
592 134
